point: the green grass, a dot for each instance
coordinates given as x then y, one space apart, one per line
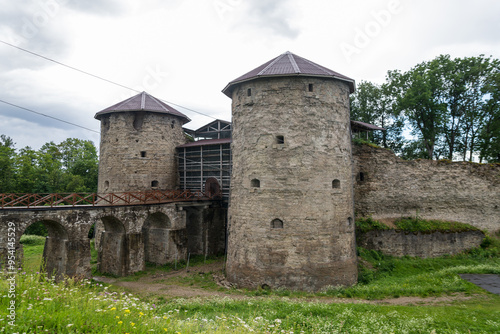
386 277
413 224
152 268
88 307
365 224
426 226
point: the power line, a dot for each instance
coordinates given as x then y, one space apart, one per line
99 77
39 113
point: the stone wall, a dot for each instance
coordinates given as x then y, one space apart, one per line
130 235
291 207
137 149
389 187
424 245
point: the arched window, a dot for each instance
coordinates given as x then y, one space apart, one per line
277 223
255 183
138 120
336 184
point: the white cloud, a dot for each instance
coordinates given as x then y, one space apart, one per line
187 51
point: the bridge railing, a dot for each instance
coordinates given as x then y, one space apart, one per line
97 199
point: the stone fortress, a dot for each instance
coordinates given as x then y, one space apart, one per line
288 174
287 182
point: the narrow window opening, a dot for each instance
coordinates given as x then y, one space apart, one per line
336 184
349 221
249 92
361 176
277 223
311 87
280 139
143 154
105 123
106 185
172 124
255 183
154 184
138 120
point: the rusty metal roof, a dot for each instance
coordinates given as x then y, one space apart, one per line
143 102
288 64
207 142
366 126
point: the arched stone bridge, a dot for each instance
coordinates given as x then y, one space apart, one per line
128 237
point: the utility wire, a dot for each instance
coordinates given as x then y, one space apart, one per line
39 113
99 77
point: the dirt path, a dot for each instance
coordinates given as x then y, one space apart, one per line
164 284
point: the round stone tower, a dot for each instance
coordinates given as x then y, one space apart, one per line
138 141
291 216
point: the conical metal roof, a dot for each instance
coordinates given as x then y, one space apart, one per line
288 64
143 102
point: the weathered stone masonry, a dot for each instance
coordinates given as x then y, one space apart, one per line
389 187
291 212
137 150
132 235
424 245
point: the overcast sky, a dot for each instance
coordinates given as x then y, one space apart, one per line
186 52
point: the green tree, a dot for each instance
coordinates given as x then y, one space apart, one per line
420 96
477 104
79 158
489 135
26 171
71 166
7 169
373 104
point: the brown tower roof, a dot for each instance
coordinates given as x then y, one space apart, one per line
143 102
288 64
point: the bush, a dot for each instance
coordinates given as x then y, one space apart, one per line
37 229
32 240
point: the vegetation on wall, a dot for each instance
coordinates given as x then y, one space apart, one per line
412 224
450 106
417 224
70 166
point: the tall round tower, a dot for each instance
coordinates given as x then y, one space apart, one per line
138 141
291 216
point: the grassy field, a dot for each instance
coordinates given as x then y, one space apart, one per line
86 306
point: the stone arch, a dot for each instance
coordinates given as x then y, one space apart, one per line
159 241
55 250
112 254
212 187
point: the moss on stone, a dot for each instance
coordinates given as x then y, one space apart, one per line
365 224
428 226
